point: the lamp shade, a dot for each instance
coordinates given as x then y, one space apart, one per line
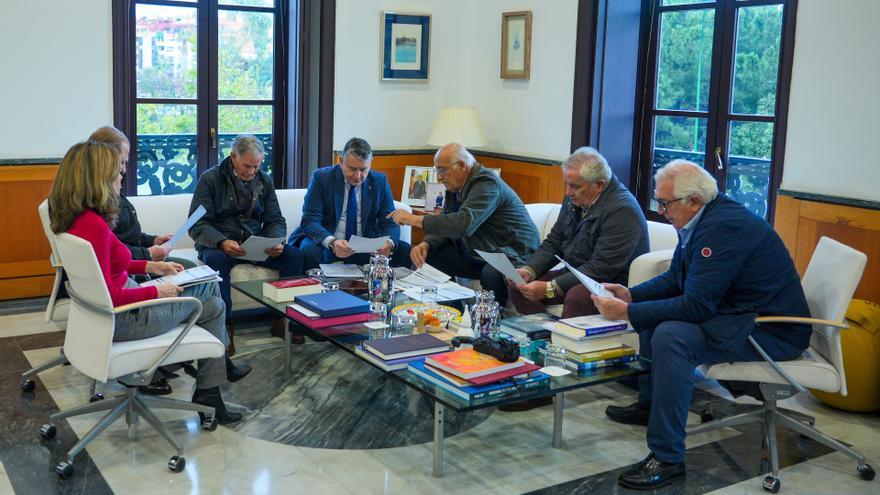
457 125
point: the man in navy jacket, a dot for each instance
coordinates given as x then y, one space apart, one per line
346 200
728 267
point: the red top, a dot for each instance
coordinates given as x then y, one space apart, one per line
113 257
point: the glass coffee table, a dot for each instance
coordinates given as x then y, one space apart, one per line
348 337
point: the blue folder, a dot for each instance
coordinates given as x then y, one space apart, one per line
334 303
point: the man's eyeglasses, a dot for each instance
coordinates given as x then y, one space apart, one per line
664 204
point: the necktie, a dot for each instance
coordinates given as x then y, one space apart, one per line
351 213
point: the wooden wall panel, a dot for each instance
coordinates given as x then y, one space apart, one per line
801 223
24 257
394 166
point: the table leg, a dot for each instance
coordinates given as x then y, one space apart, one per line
287 345
439 412
558 405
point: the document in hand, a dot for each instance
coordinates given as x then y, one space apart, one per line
192 276
196 215
500 262
255 247
592 285
360 244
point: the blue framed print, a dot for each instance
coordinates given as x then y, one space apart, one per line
405 46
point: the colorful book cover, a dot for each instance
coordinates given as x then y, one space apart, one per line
534 380
387 365
601 355
468 363
605 363
316 323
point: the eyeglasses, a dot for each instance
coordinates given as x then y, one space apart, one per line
664 204
443 170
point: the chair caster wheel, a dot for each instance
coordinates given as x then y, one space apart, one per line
48 432
772 484
209 423
28 385
706 416
866 472
96 397
64 469
177 463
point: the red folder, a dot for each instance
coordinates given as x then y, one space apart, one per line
315 323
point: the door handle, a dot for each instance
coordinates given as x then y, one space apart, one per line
718 161
213 138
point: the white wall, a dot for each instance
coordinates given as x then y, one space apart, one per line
834 112
530 118
56 83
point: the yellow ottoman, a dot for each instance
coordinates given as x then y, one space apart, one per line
861 357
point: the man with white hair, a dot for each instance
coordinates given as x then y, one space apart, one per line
728 267
600 230
480 212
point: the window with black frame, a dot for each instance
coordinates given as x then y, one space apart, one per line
717 90
203 72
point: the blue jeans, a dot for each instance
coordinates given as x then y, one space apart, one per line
673 350
289 263
149 322
315 254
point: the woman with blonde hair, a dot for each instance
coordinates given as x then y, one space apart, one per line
84 202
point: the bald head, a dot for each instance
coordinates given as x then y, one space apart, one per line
453 163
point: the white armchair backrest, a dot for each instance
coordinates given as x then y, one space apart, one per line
544 216
829 283
43 210
661 236
89 333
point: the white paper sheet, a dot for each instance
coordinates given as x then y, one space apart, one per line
366 244
196 275
449 291
592 285
196 215
425 276
255 247
501 263
339 270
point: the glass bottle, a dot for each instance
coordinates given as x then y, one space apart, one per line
381 279
484 315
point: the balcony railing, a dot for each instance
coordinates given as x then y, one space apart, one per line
167 163
748 178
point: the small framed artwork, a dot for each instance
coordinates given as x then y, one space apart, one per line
436 196
415 185
405 46
516 44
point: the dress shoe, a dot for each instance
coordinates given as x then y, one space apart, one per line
526 405
211 397
235 373
278 327
230 333
158 387
651 473
633 414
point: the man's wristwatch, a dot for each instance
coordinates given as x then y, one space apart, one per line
331 244
550 291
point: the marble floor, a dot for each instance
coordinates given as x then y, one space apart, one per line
334 426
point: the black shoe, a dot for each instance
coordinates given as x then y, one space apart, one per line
651 473
526 405
211 397
235 373
159 387
633 414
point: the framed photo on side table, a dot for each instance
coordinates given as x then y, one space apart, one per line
406 40
415 185
516 44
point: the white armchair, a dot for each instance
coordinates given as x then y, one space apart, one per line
89 347
831 279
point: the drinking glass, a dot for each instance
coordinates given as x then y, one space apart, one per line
554 355
316 273
379 311
329 286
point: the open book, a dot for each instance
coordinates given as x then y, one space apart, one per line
191 276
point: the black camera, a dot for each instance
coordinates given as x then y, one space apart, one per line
504 350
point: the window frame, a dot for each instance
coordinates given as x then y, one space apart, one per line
207 101
719 113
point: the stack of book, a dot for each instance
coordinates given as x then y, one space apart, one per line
287 290
327 309
530 327
593 341
396 353
471 375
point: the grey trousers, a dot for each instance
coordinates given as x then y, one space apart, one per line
149 322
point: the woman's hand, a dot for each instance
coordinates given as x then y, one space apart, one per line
168 290
163 268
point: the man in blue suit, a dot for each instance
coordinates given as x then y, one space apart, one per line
728 267
346 200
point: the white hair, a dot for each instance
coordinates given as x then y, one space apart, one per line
688 179
593 166
247 144
459 153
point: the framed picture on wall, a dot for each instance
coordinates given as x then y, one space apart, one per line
516 44
415 185
406 40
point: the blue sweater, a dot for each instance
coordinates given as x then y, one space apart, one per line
733 268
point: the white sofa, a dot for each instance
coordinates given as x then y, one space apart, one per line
165 214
